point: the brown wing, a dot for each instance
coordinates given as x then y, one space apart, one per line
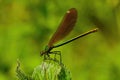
65 26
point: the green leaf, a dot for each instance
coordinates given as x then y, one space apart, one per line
51 70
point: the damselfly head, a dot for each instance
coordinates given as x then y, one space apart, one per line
46 51
42 53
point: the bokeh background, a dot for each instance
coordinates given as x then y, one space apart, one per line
27 25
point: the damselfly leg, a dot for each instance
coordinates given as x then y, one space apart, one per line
53 56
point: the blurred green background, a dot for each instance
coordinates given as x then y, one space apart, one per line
27 25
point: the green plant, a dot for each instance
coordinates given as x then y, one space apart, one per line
47 70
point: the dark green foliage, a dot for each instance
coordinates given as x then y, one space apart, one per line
64 74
